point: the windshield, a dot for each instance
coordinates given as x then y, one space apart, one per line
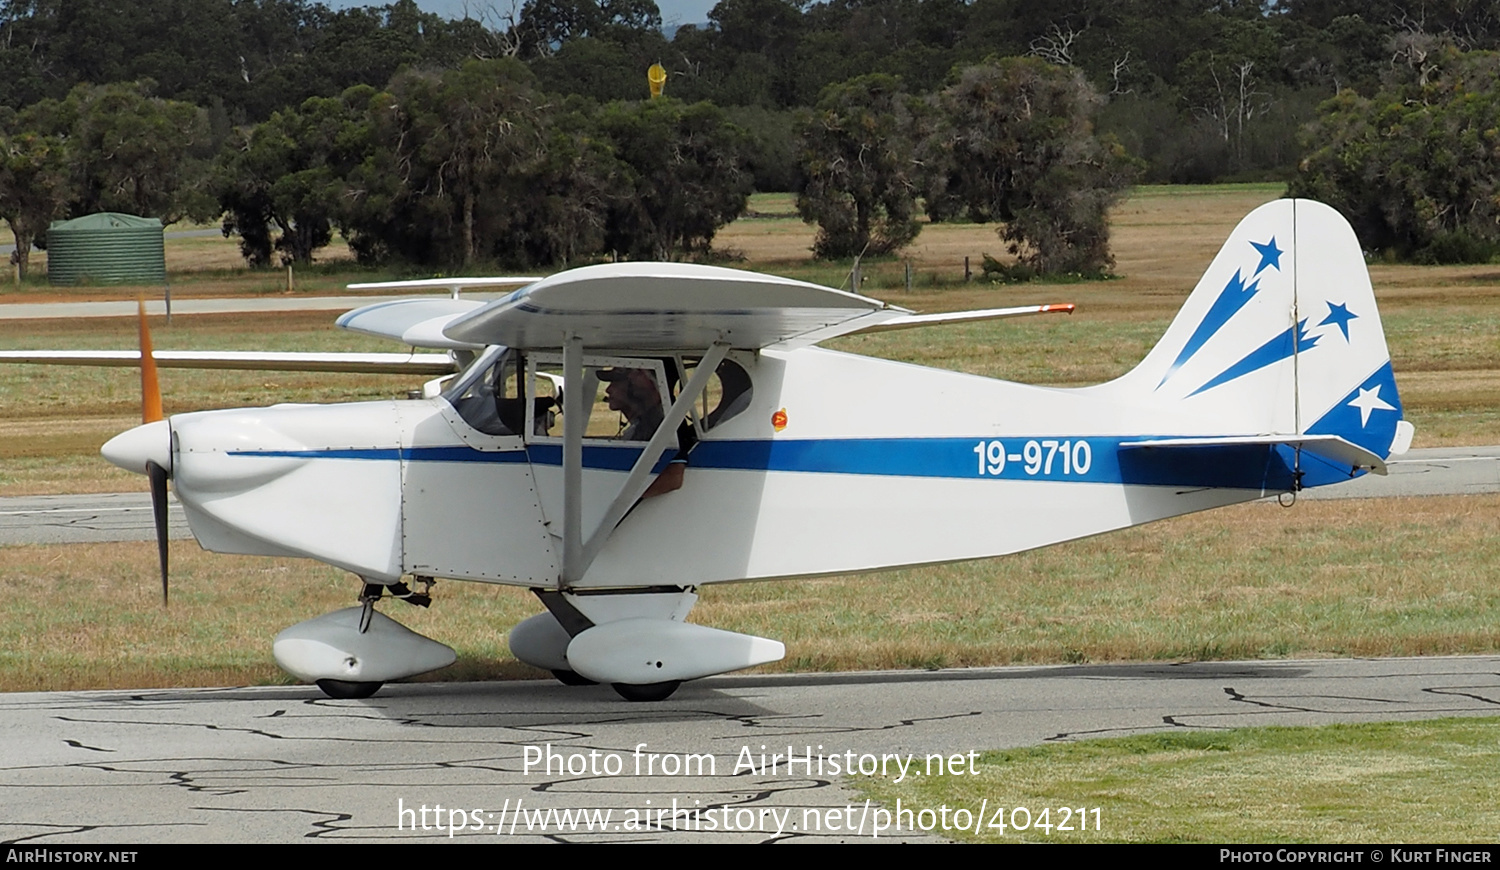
488 396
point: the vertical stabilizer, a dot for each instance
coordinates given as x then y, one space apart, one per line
1280 337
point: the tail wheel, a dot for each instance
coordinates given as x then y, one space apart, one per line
344 690
647 692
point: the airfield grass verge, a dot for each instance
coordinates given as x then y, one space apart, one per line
1413 782
1377 577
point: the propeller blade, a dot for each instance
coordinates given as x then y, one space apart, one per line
151 411
150 384
158 477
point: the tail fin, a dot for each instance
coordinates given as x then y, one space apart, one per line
1281 337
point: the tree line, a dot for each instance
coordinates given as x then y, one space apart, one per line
453 168
442 169
522 138
1201 90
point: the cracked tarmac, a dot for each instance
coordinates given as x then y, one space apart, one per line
276 764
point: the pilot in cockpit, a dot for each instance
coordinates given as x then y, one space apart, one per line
634 394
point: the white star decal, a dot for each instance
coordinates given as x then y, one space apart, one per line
1369 400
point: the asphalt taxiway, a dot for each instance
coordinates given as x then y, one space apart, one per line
286 765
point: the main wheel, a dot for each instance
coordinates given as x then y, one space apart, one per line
572 678
647 692
344 690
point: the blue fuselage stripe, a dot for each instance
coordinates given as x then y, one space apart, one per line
1061 460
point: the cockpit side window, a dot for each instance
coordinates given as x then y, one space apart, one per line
625 398
727 393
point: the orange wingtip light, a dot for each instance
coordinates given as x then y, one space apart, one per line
778 420
150 384
1064 308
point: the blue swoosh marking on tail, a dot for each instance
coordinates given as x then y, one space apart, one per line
1270 353
1230 300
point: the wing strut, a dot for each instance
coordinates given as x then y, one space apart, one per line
578 556
636 483
575 420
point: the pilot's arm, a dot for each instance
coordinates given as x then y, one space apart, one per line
670 478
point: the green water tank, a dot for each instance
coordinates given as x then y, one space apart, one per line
106 248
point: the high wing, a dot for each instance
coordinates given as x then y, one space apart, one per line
417 322
420 322
664 306
656 306
451 284
949 318
642 306
362 363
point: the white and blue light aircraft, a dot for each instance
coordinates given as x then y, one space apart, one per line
790 460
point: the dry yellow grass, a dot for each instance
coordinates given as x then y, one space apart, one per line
1373 577
1443 326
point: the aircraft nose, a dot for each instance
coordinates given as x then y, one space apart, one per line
133 448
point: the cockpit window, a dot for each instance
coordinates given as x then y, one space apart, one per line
490 396
626 398
727 393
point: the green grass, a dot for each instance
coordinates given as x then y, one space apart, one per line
1367 577
1272 189
772 205
1411 782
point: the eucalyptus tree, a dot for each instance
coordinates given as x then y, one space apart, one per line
138 153
684 176
1016 144
452 158
283 183
1416 168
35 186
859 159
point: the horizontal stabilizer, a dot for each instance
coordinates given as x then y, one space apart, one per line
363 363
1330 447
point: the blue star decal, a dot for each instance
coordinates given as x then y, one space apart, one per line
1341 315
1270 255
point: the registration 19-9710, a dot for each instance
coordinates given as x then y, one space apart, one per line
1038 456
